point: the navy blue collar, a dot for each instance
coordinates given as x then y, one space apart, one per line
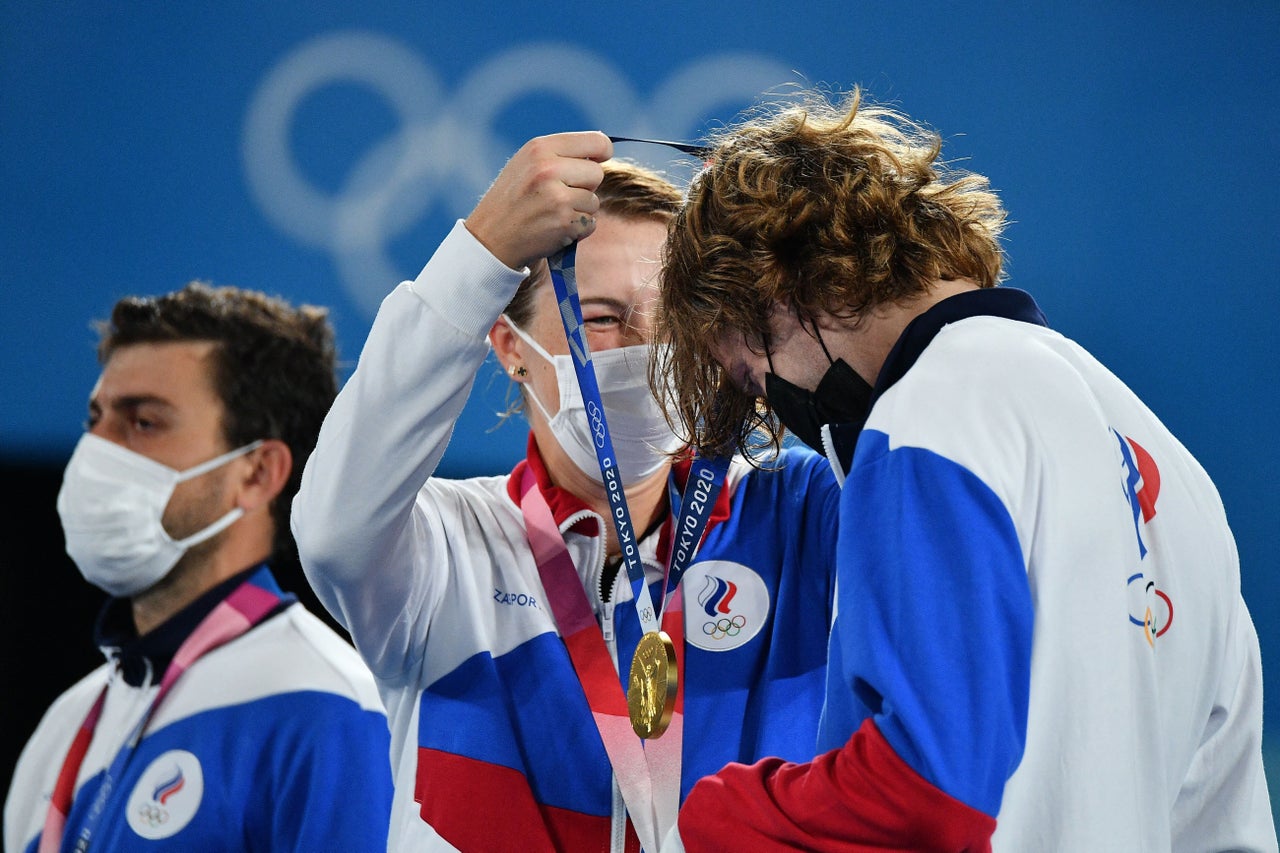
117 636
1007 302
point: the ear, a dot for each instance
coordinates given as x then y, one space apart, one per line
504 342
269 466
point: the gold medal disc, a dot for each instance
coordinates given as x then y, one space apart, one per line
651 686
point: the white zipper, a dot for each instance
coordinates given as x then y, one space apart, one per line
147 684
119 720
618 814
618 824
829 448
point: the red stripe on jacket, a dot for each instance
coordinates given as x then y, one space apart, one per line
861 797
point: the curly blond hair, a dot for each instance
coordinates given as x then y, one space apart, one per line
827 208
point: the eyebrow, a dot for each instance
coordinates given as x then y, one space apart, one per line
131 401
608 302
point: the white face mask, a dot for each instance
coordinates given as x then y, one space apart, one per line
642 440
111 504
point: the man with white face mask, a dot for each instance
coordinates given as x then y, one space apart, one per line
498 613
227 717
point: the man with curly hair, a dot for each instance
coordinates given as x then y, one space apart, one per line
1017 529
226 717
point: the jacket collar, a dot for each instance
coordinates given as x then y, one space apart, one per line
1006 302
151 653
565 505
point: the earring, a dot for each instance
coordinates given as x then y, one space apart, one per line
513 371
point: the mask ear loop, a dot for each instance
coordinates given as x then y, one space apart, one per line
522 371
768 356
528 339
821 343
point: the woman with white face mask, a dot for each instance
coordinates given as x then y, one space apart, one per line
497 612
616 274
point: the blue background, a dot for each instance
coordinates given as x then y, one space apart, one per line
321 151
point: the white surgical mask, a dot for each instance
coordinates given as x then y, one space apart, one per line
111 504
642 440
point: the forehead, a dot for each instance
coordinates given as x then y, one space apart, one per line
180 373
621 259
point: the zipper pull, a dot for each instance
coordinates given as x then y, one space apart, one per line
606 622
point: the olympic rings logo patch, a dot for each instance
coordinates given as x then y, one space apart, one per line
1150 608
726 605
722 627
152 814
167 795
445 152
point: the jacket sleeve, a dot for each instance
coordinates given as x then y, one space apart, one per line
363 521
860 797
1224 803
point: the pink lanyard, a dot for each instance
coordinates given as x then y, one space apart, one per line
248 605
648 772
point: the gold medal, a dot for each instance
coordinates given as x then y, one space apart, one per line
651 687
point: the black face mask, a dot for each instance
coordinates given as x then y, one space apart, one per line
842 397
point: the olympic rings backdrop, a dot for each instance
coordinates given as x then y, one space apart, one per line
320 151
